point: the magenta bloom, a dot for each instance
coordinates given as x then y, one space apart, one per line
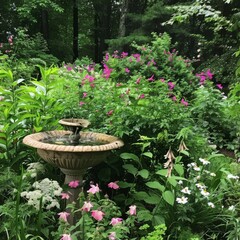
87 206
171 85
81 103
107 57
98 215
138 80
113 185
162 80
69 68
106 71
141 96
133 210
115 221
65 196
127 70
63 216
74 184
219 86
66 237
209 74
184 102
151 79
109 113
174 98
124 54
94 189
112 236
84 94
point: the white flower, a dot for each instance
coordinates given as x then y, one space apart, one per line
182 200
180 182
196 168
186 190
204 161
231 176
205 193
213 174
200 186
210 204
231 208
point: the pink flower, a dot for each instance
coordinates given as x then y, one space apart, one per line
184 102
74 184
87 206
65 195
127 70
162 80
94 189
115 221
124 54
98 215
69 68
84 94
133 210
112 236
113 185
141 96
219 86
66 237
81 103
109 113
174 98
106 71
138 81
171 85
107 57
63 216
209 74
151 79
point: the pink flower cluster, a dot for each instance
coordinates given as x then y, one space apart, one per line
204 76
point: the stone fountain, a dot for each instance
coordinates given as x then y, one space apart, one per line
73 150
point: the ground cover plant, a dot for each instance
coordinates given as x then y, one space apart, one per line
170 180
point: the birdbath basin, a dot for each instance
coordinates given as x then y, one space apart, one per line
57 148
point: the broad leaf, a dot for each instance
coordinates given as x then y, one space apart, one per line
168 196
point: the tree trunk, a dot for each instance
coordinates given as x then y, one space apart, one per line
44 24
75 30
122 21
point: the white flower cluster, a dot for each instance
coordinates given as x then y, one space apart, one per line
46 189
34 168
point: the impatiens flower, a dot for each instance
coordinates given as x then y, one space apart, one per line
65 196
66 237
151 79
124 54
113 185
200 186
219 86
112 236
74 184
84 94
184 102
171 85
94 189
174 98
87 206
205 193
210 204
69 68
133 210
98 215
106 71
109 113
186 190
115 221
203 161
182 200
196 168
141 96
63 216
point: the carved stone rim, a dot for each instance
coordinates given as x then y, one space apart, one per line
34 140
74 122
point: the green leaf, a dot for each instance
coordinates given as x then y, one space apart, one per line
157 220
140 195
155 185
144 215
168 196
172 181
148 154
130 168
162 172
184 152
179 169
130 156
125 184
144 173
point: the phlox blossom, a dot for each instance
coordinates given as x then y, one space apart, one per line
184 102
210 204
81 103
87 206
141 96
182 200
66 237
74 184
94 189
98 215
127 70
133 210
63 216
115 221
65 196
219 86
205 193
113 185
203 161
186 190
